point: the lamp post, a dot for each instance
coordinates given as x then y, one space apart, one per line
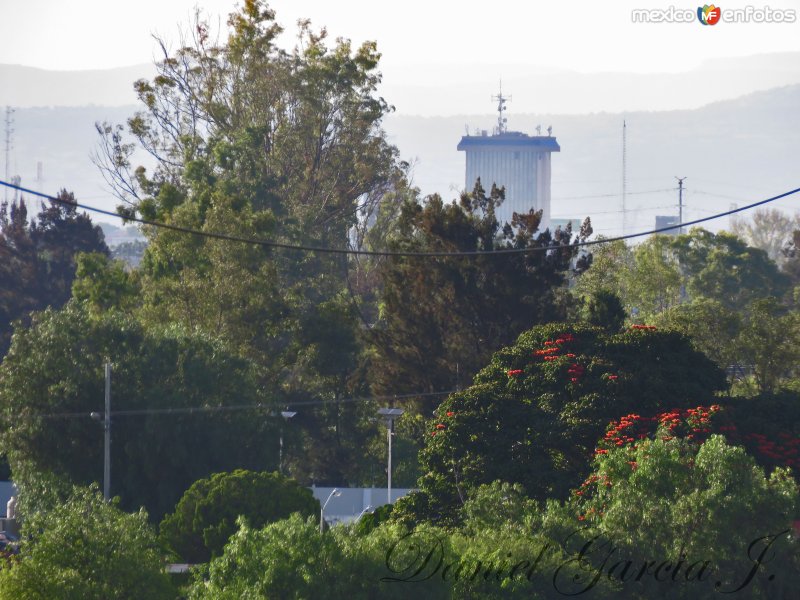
368 509
106 420
286 414
389 414
336 493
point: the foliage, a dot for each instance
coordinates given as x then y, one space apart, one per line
432 342
534 414
770 342
664 272
290 559
769 229
205 516
104 284
713 328
610 263
768 426
674 499
654 280
724 268
371 520
83 549
38 258
256 141
52 379
603 308
496 505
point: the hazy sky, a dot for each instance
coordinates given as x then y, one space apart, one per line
584 35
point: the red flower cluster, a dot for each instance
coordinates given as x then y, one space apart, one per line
546 351
646 327
576 371
515 372
694 423
784 450
441 426
450 413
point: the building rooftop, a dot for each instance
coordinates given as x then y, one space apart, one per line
510 139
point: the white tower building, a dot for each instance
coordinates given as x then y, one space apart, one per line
518 161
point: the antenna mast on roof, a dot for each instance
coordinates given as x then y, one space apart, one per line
501 108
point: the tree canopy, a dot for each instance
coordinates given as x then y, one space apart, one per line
441 319
533 415
52 379
86 548
205 516
38 257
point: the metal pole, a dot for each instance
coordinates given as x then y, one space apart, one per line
280 453
680 202
389 490
107 429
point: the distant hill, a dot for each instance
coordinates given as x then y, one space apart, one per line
28 86
451 89
732 151
444 90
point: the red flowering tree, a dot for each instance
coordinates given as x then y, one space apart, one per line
535 413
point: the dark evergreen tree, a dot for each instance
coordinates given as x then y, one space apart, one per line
38 258
442 318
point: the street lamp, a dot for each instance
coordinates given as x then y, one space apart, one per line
336 493
361 514
286 414
390 414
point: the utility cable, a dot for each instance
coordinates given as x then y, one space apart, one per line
467 253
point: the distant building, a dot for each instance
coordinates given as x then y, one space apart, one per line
668 221
7 489
353 502
576 224
518 161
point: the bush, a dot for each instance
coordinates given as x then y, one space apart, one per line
205 517
86 549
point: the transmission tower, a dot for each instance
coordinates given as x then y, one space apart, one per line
9 121
624 179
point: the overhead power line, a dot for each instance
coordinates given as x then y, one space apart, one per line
467 253
614 195
183 410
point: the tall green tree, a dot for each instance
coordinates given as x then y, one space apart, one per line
769 229
713 328
52 379
38 257
770 342
723 267
442 318
257 141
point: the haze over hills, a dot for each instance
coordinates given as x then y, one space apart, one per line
452 89
27 86
443 90
732 151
